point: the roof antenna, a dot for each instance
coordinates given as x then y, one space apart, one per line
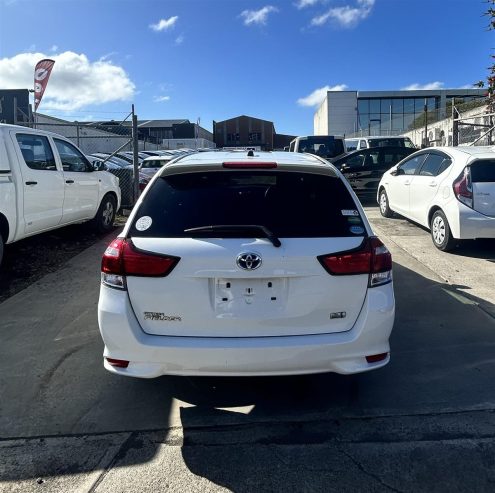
250 153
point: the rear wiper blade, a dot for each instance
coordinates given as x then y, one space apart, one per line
229 228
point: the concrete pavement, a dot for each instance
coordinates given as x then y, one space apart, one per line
426 422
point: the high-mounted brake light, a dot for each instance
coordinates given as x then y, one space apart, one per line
463 189
372 258
249 164
122 258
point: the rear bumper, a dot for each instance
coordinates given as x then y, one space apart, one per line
151 356
473 225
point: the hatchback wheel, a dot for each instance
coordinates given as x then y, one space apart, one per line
385 210
440 232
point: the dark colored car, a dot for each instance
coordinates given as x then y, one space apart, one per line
364 168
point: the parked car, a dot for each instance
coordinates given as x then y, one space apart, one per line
152 164
274 252
46 182
379 141
364 169
325 146
450 190
125 174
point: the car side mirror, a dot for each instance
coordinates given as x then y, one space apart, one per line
397 172
98 166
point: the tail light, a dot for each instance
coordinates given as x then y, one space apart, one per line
372 258
122 259
463 189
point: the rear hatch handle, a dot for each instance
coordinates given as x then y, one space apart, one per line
233 228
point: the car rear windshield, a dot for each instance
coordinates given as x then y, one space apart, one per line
289 204
325 146
483 171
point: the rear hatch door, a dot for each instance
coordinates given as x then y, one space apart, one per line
212 291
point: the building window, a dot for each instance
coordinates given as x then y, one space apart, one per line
254 136
232 137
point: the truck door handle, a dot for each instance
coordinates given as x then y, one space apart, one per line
69 181
31 183
433 184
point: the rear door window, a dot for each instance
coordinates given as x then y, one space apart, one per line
434 165
483 171
37 152
290 204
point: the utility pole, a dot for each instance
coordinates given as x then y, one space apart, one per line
135 160
455 125
425 140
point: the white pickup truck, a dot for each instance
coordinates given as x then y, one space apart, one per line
46 183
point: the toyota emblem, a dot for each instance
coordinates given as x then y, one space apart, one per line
248 261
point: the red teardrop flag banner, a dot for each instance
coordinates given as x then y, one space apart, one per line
42 73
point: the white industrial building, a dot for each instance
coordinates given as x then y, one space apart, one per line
352 113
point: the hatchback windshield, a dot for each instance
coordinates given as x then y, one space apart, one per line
289 204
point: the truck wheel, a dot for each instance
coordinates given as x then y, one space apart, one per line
105 216
1 249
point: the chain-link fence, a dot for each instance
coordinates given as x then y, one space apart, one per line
468 123
108 145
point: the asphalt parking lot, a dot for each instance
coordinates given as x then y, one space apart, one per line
426 422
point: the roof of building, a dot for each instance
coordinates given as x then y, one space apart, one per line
160 123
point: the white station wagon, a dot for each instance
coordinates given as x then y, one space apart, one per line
251 263
450 190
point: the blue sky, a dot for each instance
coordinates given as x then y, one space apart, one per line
219 59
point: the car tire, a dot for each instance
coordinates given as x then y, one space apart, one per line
1 249
441 233
103 221
385 209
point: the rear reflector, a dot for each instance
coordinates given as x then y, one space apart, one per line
249 164
122 258
371 257
118 363
375 358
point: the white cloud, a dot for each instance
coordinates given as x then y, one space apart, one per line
257 16
346 16
161 99
318 95
179 39
164 24
75 82
427 86
301 4
54 48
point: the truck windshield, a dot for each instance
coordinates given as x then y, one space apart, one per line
325 146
